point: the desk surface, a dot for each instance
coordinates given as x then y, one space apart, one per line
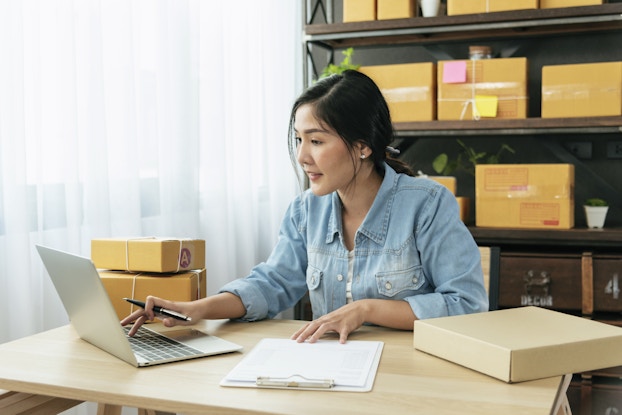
58 363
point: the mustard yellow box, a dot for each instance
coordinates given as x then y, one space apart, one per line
537 196
521 344
582 90
148 254
359 10
551 4
395 9
463 84
185 286
456 7
409 88
449 182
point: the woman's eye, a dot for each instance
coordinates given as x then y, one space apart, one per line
298 140
316 142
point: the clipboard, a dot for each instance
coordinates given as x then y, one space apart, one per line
326 365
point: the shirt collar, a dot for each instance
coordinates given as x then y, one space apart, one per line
376 222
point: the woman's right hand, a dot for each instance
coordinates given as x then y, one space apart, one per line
141 316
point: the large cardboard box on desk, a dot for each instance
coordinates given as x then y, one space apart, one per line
582 90
456 7
537 196
521 344
182 286
148 254
409 89
482 88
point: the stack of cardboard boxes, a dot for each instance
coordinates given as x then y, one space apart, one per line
136 267
366 10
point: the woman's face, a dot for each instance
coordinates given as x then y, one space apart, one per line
323 155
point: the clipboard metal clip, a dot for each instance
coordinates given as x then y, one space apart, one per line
294 381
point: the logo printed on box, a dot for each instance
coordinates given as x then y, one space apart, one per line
185 258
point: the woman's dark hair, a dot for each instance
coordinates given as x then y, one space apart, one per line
352 105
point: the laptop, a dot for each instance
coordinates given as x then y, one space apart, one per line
93 317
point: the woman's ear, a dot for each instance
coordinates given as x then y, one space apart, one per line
362 150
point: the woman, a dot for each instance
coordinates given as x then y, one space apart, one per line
369 242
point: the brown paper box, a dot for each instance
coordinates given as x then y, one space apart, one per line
395 9
359 10
449 182
148 254
550 4
186 286
582 90
409 88
455 7
521 344
505 78
537 196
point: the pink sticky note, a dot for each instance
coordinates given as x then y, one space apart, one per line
454 72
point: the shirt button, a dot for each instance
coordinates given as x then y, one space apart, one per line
415 280
388 285
339 277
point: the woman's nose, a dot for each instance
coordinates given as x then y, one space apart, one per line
302 153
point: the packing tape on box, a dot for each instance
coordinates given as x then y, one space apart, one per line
127 251
406 94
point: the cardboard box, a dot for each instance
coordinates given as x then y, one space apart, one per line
582 90
521 344
537 196
186 286
455 7
551 4
395 9
467 87
359 10
148 254
449 182
409 88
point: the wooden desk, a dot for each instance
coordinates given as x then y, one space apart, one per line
57 363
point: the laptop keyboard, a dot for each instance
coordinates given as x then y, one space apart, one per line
153 347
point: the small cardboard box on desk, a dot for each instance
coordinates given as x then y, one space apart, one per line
149 254
521 344
182 286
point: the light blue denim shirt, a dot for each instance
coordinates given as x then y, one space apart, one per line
412 246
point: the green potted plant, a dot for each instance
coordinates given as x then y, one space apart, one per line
344 65
466 159
595 212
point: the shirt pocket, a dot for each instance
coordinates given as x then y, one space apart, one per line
392 283
314 277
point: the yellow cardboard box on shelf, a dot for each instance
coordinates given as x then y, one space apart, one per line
395 9
359 10
409 88
582 90
473 89
521 344
537 196
455 7
551 4
184 286
148 254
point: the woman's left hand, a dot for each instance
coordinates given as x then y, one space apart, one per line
343 321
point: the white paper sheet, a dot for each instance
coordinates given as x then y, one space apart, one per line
351 366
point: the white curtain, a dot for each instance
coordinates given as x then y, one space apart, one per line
141 118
